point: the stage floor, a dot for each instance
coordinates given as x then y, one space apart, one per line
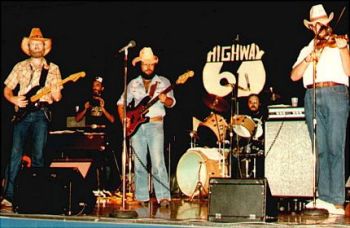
181 213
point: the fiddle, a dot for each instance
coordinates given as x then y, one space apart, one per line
330 41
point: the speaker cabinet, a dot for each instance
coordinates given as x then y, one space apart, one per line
234 200
288 158
52 191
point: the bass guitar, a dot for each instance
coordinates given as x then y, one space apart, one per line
38 92
137 114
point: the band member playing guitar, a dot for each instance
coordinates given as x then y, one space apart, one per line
28 74
149 135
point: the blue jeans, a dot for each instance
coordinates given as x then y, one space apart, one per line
150 136
332 109
33 128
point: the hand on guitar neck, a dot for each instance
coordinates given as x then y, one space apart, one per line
27 103
135 116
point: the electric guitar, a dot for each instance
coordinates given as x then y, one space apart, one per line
137 114
37 92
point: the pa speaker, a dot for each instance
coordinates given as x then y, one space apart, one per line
288 158
52 191
235 200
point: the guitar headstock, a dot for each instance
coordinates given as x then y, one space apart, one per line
76 76
183 77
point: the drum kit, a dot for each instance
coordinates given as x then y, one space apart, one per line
200 162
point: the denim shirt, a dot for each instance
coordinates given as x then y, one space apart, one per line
137 91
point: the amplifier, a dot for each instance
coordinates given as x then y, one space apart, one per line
236 200
285 112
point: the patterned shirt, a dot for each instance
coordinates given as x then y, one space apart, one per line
27 76
136 90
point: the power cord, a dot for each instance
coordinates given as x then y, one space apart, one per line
148 171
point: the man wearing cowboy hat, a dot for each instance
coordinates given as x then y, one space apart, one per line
331 74
150 135
27 74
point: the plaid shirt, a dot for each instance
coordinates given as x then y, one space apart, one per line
27 76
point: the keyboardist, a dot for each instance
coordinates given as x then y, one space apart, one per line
99 115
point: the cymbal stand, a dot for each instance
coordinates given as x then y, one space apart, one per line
221 145
199 185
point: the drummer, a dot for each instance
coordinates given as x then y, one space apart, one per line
258 112
255 108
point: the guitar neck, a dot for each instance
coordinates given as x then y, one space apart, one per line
44 91
154 100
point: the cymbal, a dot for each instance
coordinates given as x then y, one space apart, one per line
215 103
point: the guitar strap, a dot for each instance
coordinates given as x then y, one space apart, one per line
152 89
43 76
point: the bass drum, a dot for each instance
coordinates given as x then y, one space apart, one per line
197 165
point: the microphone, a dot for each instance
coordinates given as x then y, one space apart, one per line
131 44
225 82
247 80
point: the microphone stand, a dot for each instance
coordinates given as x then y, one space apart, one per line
123 213
314 211
234 111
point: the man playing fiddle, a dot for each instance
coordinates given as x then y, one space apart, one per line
326 69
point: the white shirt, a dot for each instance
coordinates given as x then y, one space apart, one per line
329 66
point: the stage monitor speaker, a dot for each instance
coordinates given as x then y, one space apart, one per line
288 158
236 200
86 167
53 191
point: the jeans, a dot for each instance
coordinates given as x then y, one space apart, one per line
33 128
332 109
150 136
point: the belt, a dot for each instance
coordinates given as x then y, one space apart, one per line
156 118
41 105
323 84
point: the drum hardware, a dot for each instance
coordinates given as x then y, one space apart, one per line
199 185
194 137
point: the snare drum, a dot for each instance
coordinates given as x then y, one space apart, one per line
198 165
243 125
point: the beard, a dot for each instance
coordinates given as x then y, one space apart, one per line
36 54
147 76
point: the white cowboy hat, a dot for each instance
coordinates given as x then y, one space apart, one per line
36 34
318 14
145 56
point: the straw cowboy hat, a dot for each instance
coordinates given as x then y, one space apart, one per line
36 34
318 14
145 56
